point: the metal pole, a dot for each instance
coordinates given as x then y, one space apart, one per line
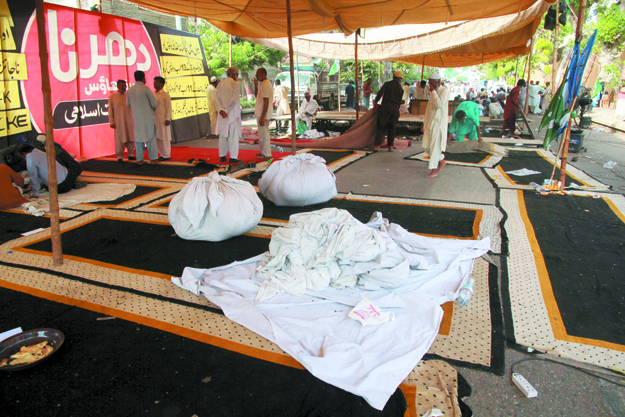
356 70
55 229
290 34
565 151
554 70
230 52
339 85
297 76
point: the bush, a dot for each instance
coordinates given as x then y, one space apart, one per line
247 104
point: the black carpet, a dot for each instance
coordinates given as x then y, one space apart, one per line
252 177
533 161
467 157
12 225
139 191
331 156
147 170
151 247
581 240
120 368
440 221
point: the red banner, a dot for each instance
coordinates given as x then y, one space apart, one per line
89 52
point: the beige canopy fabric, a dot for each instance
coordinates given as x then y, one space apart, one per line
456 44
267 18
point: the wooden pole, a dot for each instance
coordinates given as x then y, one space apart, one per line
230 52
379 74
339 85
290 34
565 151
55 229
356 70
529 72
423 68
554 70
516 73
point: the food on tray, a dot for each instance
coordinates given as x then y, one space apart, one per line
28 354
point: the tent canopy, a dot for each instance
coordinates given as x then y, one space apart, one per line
267 18
456 44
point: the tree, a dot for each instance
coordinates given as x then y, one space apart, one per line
246 56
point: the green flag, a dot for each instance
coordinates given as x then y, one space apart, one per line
555 117
335 67
597 89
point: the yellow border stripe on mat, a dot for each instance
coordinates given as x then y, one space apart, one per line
559 331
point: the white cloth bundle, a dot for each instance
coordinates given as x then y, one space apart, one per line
298 180
215 208
314 328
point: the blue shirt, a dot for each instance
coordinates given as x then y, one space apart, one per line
37 166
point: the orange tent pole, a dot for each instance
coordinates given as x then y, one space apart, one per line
290 33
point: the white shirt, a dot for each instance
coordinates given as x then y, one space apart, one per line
228 99
121 116
265 91
163 113
308 107
436 120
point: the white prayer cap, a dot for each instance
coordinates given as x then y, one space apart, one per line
213 79
435 76
398 74
41 138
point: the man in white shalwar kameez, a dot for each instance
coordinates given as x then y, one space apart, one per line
281 96
534 97
546 97
307 111
163 119
435 124
212 107
228 101
142 102
263 111
120 119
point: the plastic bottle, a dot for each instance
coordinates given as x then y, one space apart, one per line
537 187
466 292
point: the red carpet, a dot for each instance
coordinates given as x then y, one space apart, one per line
211 155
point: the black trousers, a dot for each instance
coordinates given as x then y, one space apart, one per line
388 116
69 181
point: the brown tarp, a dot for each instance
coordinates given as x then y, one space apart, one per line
267 18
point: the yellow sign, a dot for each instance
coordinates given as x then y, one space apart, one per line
13 66
7 43
181 45
176 66
10 95
14 121
193 86
188 107
5 12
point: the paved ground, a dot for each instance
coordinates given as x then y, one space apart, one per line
561 391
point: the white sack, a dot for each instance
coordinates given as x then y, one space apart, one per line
215 208
298 180
314 328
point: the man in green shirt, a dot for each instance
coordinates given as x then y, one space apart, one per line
466 122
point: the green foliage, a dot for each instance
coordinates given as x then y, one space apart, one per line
614 71
610 24
246 56
246 104
370 69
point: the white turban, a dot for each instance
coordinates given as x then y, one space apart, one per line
435 76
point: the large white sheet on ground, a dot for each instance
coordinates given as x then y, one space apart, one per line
314 328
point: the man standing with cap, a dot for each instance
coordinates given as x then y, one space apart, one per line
163 119
435 124
228 101
212 107
140 99
388 111
263 111
120 119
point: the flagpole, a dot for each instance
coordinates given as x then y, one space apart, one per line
565 151
290 34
